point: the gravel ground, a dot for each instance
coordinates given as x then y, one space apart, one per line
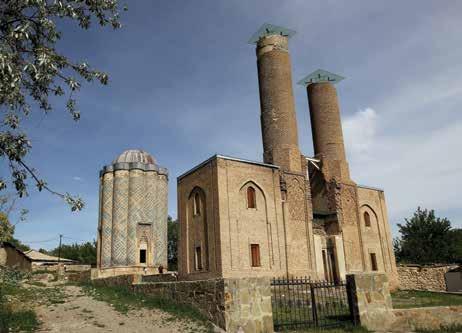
81 313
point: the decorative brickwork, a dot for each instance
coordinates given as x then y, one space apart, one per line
119 219
106 219
133 214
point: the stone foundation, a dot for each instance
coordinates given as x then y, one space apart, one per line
416 277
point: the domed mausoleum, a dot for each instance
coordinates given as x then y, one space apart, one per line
132 228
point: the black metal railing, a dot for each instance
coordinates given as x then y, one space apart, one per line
301 303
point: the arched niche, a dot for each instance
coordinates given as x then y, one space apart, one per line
198 230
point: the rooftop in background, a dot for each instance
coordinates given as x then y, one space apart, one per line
320 75
135 156
268 29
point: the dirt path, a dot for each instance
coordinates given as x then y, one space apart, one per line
81 313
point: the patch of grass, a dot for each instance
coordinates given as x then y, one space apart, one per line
18 321
14 314
122 299
448 329
403 299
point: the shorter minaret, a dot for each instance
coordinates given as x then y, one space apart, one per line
326 125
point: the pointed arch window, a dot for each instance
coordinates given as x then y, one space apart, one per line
367 219
251 198
197 204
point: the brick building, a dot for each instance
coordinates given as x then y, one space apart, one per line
290 214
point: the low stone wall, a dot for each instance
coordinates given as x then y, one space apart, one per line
232 304
407 320
416 277
205 295
80 277
370 299
167 277
115 281
54 268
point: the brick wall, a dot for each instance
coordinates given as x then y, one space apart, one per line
416 277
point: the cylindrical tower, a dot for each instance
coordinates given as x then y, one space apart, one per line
325 121
278 118
326 125
133 215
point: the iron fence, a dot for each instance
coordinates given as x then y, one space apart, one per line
299 302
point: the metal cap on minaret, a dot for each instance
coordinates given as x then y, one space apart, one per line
268 29
320 75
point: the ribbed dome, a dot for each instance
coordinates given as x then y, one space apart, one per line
135 156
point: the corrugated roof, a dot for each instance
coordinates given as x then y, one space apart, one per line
38 256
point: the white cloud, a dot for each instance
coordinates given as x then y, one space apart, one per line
77 178
414 169
360 131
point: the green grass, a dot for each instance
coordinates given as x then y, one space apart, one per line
449 329
404 299
123 300
15 316
17 320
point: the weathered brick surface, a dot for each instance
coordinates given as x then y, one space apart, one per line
278 118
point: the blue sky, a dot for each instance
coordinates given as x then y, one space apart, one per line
183 86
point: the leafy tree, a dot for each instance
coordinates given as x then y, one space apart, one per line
6 228
456 241
84 253
425 239
32 70
172 245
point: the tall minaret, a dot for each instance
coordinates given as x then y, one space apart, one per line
326 126
278 119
